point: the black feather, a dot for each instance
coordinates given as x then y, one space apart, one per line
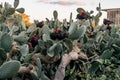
39 24
83 16
106 22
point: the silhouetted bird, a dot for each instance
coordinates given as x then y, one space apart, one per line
58 34
107 22
83 15
33 41
40 24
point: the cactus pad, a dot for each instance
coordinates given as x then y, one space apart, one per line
9 69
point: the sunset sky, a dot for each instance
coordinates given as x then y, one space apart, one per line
40 9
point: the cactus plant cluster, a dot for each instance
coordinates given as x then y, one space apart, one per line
7 10
34 52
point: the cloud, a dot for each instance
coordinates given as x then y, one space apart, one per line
93 4
63 2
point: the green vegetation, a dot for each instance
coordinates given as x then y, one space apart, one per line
34 52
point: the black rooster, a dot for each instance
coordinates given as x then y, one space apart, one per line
107 22
83 15
58 34
40 24
33 41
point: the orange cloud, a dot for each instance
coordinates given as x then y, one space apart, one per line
63 2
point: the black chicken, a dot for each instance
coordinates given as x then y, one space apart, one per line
62 35
53 36
40 24
33 41
107 22
83 15
58 34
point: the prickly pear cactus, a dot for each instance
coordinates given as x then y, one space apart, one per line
9 69
68 44
3 56
6 42
70 21
101 47
72 29
55 14
41 75
16 3
7 10
98 15
20 10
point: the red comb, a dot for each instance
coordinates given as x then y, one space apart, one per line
30 44
42 22
81 12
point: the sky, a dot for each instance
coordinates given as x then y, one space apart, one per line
41 9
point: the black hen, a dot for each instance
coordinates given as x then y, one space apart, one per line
83 15
53 36
40 24
33 41
107 22
60 35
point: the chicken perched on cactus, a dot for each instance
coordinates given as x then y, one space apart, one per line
107 22
83 15
33 41
40 24
58 34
